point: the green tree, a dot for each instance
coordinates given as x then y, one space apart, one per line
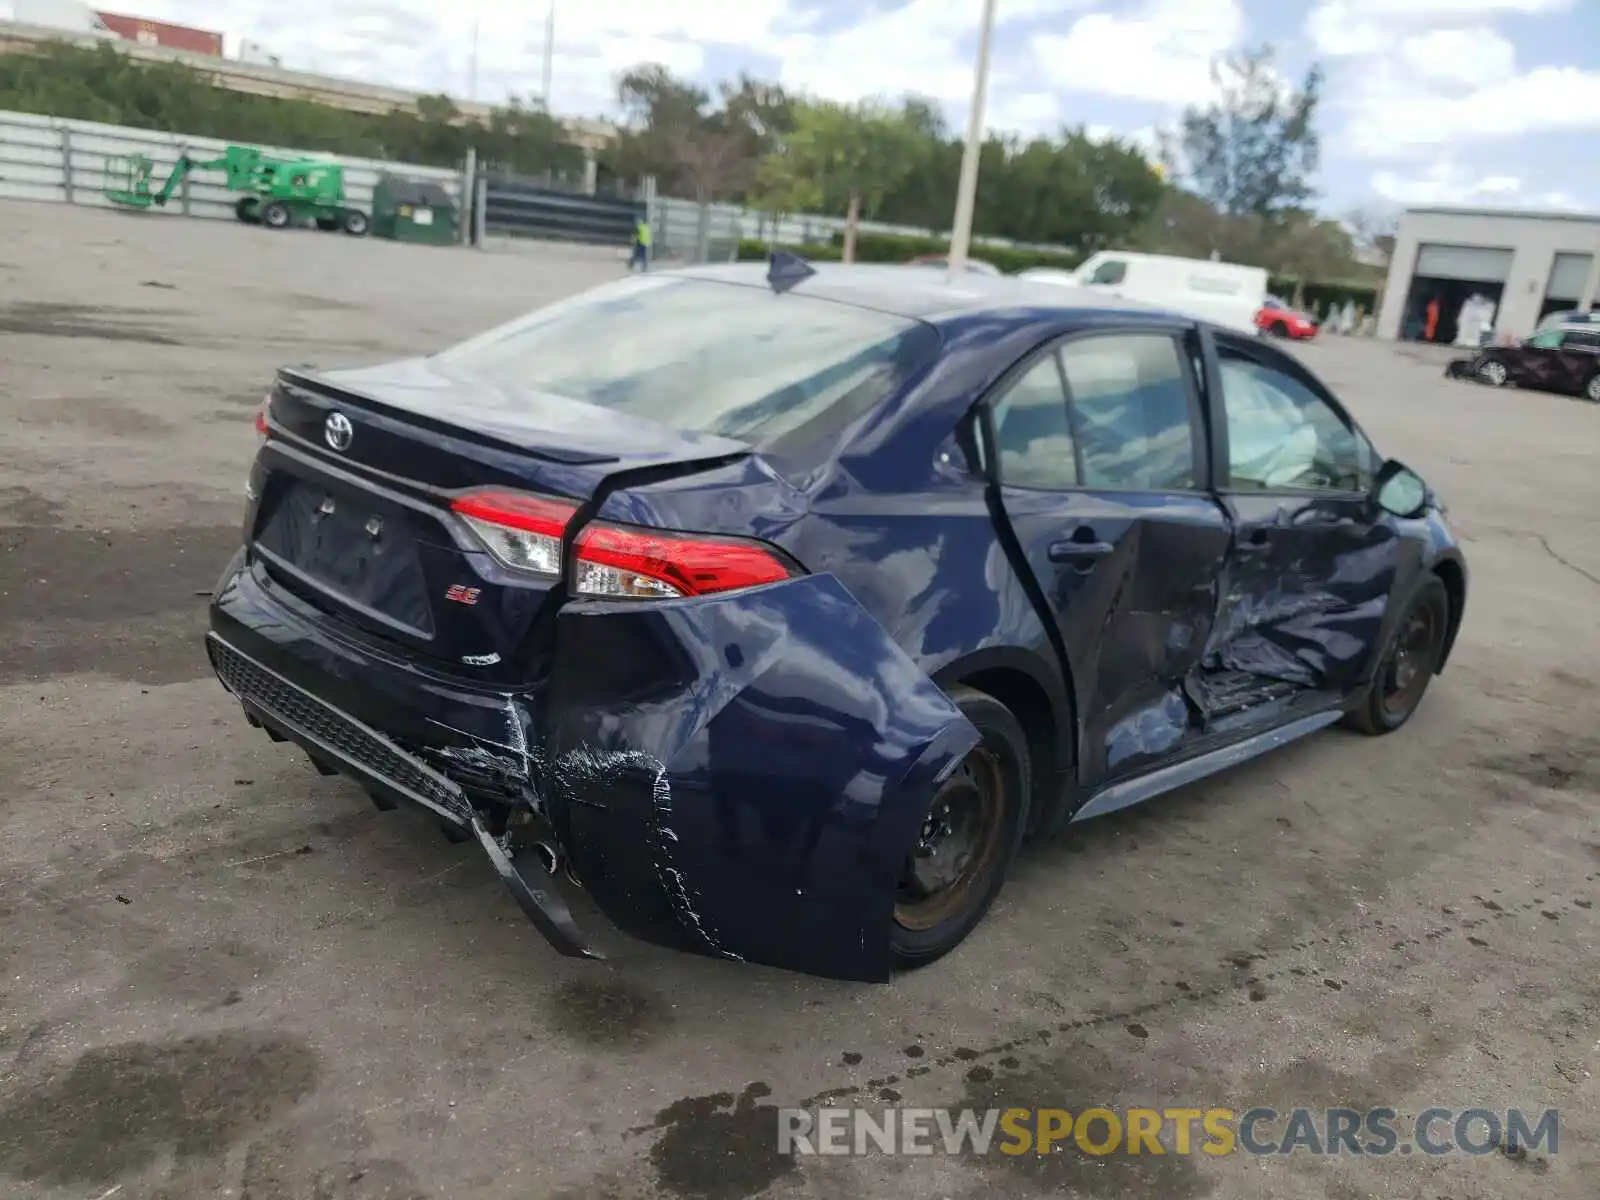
855 154
780 190
1253 150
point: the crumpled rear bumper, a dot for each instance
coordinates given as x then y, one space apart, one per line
738 776
743 776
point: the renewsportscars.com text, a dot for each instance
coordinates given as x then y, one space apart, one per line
1160 1131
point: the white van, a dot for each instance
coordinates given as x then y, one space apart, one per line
1225 294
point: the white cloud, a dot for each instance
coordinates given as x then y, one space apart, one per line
1474 57
1339 28
423 45
1420 75
1446 182
1162 51
924 46
1397 113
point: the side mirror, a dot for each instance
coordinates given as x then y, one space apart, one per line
1399 491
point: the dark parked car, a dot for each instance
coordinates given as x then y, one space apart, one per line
779 606
1565 359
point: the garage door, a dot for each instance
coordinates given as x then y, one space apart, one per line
1476 263
1567 277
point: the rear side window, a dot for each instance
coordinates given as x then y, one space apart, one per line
1131 415
701 356
1032 433
1583 340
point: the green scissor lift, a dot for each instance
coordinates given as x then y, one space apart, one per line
277 191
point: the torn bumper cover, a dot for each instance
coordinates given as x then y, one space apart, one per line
329 735
738 776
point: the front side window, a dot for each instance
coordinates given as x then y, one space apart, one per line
699 356
1132 419
1283 436
1112 271
1550 339
1031 431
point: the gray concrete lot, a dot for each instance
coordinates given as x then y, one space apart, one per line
222 975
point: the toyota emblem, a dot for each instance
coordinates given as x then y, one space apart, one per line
338 431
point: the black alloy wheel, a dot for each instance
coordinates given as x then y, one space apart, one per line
1410 661
967 839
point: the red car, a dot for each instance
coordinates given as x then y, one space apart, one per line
1276 319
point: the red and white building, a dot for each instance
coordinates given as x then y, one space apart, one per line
162 33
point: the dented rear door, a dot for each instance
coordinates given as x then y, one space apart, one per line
1312 563
1102 473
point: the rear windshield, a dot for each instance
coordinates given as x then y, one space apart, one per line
701 356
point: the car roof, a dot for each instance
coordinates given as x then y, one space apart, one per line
925 295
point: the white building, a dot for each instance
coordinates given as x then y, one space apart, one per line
1528 263
252 51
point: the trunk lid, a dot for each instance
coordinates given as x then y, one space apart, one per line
354 486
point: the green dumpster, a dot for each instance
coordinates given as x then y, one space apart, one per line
413 210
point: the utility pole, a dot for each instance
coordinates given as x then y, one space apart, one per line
967 188
472 79
549 54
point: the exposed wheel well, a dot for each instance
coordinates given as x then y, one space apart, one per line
1030 704
1455 590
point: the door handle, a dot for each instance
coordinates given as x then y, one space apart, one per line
1076 551
1255 541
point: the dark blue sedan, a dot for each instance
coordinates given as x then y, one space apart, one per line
776 606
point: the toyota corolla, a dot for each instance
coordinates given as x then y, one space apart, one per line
777 606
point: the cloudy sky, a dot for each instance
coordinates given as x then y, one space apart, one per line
1427 101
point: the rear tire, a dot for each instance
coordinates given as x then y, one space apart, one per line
1410 661
972 831
275 215
1278 329
354 222
1591 390
1493 373
246 210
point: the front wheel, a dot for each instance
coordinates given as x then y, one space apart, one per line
275 215
1410 661
354 222
968 837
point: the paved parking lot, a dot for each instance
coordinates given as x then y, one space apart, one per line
223 975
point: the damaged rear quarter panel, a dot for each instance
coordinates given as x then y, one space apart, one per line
757 765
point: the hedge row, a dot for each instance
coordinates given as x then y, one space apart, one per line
896 248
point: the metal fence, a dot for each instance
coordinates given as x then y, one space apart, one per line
527 208
49 159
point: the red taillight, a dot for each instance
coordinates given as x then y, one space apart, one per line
524 532
261 416
642 564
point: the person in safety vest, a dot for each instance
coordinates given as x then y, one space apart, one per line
641 245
